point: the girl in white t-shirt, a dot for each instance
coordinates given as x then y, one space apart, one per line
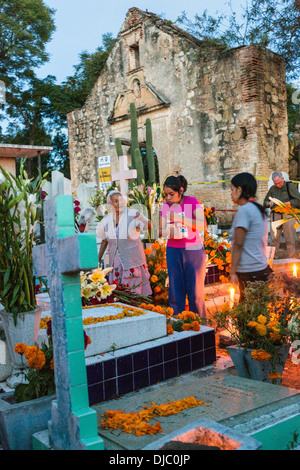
249 260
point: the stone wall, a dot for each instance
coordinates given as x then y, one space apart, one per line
214 113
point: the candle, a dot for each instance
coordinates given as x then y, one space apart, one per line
295 271
231 303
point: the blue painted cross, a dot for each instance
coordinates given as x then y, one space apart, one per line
73 425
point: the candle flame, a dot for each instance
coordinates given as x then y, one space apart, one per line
295 270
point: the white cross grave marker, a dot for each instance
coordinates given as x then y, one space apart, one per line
124 175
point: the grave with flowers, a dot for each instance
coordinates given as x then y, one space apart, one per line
133 344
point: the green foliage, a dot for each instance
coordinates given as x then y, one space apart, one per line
119 149
274 24
41 382
26 26
139 166
268 318
76 88
134 133
149 153
20 210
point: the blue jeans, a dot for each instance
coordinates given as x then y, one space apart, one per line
186 269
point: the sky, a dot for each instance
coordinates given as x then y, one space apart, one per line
80 25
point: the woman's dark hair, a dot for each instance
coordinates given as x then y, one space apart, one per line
248 185
176 183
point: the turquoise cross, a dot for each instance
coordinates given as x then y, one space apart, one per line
73 424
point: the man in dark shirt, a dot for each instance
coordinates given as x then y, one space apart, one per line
284 191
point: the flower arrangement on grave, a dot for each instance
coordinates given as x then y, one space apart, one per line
211 215
266 320
147 199
218 250
96 290
20 212
95 287
157 266
40 375
187 321
39 379
184 321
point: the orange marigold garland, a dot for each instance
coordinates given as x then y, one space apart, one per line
137 423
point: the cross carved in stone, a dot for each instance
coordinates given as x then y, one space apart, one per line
73 425
124 175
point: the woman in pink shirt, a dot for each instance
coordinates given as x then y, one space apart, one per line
181 220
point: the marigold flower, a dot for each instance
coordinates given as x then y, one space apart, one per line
260 355
153 278
170 330
37 360
148 251
261 329
20 348
195 326
274 376
262 319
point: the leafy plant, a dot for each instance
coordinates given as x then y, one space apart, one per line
211 215
267 319
150 198
218 250
157 266
20 211
40 375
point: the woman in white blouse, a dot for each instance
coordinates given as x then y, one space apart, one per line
119 230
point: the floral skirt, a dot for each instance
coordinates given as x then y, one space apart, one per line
139 277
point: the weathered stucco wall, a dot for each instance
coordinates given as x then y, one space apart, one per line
214 113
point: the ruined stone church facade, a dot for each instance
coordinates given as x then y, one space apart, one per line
214 112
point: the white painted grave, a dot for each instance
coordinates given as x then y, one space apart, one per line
117 334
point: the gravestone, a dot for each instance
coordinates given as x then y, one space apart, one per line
64 255
84 192
59 185
124 175
227 399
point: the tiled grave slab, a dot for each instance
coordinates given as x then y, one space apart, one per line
136 367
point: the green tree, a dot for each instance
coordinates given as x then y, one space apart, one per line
26 26
76 88
274 24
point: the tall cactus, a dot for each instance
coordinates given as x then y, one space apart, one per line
134 133
149 153
118 145
139 166
136 157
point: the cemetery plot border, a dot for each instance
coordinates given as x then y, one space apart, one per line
137 367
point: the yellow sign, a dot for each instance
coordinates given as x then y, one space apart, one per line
105 174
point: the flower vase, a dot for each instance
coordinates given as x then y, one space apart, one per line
249 368
25 331
212 229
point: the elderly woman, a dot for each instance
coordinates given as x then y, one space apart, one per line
119 230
